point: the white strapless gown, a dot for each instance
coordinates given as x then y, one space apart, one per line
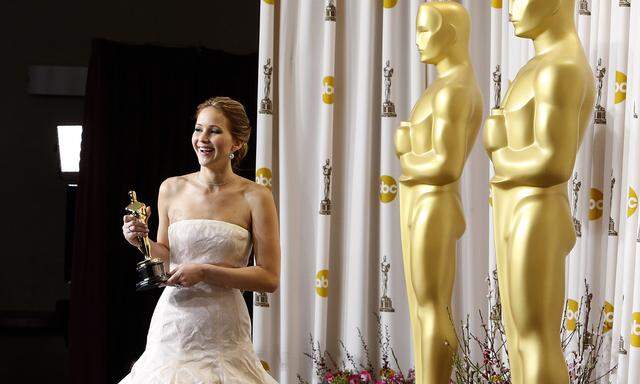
201 334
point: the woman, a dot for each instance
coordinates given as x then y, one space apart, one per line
208 222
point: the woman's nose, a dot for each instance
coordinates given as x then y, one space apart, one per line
202 137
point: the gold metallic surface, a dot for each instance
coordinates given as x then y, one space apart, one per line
533 140
433 147
139 210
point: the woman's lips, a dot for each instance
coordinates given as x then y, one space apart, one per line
205 151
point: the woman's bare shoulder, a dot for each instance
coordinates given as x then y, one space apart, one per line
256 194
175 184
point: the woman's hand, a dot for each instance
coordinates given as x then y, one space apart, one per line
186 275
133 228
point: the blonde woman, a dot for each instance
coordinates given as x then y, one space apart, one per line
208 222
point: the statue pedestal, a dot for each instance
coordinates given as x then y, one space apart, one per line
325 207
600 115
388 109
266 107
386 305
260 299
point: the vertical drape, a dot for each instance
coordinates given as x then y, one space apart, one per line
323 168
402 80
265 305
616 105
627 248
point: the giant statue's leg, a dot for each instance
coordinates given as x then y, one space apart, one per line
502 210
540 237
407 194
437 223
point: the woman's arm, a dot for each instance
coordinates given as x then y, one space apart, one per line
262 277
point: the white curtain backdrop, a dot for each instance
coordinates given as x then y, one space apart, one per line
335 71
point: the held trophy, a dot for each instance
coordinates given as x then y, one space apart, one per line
151 272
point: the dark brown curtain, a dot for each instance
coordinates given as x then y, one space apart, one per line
138 121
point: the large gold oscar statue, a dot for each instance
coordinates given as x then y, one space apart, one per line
533 139
433 148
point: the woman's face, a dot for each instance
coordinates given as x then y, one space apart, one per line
212 138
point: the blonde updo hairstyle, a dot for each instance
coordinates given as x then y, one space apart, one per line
237 116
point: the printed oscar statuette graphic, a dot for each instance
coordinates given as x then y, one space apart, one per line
386 305
151 273
433 147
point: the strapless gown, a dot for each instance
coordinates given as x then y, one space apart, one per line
201 334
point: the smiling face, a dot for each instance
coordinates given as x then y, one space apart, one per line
212 140
433 35
531 17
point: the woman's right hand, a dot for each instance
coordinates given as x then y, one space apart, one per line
133 228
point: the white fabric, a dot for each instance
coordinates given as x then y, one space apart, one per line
264 317
407 83
364 229
201 334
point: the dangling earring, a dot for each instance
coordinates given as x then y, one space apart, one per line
231 155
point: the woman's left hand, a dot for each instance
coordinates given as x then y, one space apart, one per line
186 275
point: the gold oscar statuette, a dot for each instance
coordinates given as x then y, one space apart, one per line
433 147
532 140
151 273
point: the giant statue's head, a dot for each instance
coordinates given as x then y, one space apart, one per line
532 17
441 27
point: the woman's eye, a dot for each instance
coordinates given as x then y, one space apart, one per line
197 129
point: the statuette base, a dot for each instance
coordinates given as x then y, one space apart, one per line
386 305
266 107
388 109
260 299
151 275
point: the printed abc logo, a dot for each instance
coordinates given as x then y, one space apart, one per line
632 202
327 94
322 283
608 317
388 189
572 315
263 177
389 3
595 204
635 330
621 87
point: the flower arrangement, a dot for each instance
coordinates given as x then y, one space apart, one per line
582 347
348 371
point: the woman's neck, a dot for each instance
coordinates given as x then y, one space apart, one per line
215 177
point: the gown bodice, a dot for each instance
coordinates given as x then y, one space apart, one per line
201 334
